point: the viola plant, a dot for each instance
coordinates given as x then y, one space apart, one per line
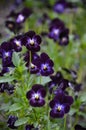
42 67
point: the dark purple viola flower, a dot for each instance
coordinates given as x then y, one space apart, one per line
32 41
11 122
27 57
54 33
60 6
64 37
57 22
78 87
33 69
7 58
16 43
36 95
5 46
63 84
22 15
13 26
29 127
79 127
45 65
55 28
60 105
57 77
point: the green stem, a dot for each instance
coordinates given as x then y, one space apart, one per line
65 123
48 118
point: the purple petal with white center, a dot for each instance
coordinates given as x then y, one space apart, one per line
56 114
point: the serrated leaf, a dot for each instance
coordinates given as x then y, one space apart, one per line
21 121
15 107
5 79
16 59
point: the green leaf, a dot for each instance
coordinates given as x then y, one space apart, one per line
5 79
72 111
5 107
83 97
16 59
15 107
21 121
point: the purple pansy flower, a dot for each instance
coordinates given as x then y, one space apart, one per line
64 37
13 26
45 64
55 28
11 122
60 105
55 79
29 127
36 95
5 46
7 58
60 6
31 66
16 43
32 41
22 15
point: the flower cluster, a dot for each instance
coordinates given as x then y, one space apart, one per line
30 40
60 104
58 32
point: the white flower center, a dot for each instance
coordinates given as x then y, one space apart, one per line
56 31
59 108
20 18
17 43
36 96
6 54
31 41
